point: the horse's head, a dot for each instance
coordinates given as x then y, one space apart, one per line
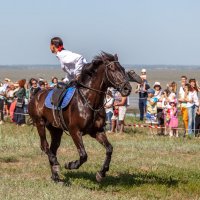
115 74
111 72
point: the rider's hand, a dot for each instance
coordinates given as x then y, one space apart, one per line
77 77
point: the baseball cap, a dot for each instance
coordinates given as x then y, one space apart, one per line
152 91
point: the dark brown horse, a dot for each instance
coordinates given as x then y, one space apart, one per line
85 114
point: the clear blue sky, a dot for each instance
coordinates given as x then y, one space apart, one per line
140 31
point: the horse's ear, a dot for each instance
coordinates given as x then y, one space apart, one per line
104 58
116 57
95 62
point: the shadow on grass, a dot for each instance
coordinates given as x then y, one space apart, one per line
9 159
123 180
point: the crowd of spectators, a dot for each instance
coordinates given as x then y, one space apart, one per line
14 97
157 105
163 106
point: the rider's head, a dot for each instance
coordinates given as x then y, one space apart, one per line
56 45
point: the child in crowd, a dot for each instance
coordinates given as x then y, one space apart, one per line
172 119
151 114
109 108
120 106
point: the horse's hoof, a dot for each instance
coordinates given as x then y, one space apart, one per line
60 182
67 166
57 180
99 178
55 168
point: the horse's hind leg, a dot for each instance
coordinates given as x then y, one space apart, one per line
53 149
78 141
42 133
102 139
56 135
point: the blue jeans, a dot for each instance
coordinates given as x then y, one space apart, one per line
108 119
142 107
191 119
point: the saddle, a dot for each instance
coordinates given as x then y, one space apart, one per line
57 100
58 94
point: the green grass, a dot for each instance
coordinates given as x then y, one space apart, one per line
143 167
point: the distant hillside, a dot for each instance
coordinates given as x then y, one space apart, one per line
127 66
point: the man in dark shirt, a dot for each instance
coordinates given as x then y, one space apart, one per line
142 90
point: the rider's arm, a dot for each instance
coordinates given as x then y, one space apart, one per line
78 66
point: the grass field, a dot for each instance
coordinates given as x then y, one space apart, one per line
143 167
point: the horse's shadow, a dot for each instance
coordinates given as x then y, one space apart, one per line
124 179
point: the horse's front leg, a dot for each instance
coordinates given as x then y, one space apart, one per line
102 139
78 141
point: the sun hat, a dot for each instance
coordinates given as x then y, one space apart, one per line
172 101
156 84
143 70
151 91
7 79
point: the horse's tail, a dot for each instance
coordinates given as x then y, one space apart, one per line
32 106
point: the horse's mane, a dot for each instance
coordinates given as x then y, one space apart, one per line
89 68
105 56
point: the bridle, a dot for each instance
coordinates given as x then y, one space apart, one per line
98 91
107 76
118 86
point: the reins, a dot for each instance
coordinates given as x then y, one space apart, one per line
95 90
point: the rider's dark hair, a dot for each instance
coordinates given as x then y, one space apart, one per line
57 42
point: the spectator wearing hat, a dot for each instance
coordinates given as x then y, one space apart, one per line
6 84
183 102
144 74
158 94
172 121
141 89
151 114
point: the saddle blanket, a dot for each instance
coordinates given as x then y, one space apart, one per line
66 99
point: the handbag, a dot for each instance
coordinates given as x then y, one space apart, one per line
20 103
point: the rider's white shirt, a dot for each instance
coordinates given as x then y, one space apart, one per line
71 63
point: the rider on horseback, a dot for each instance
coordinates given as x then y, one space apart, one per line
71 63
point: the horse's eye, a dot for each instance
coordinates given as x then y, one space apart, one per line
112 67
